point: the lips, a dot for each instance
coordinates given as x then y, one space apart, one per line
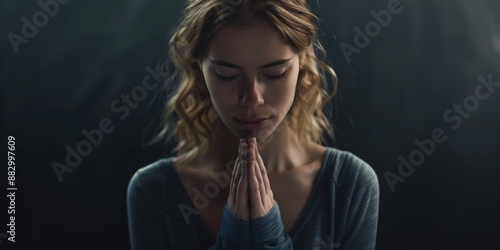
251 123
252 119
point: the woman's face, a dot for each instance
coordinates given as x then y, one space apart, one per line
251 72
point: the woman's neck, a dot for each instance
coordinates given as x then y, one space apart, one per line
281 151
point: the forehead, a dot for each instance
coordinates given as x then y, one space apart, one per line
250 45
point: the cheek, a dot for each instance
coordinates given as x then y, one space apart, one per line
284 94
279 96
221 97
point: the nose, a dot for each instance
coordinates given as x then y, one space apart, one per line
252 94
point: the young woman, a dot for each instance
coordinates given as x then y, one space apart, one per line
251 172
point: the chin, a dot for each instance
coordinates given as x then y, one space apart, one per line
260 134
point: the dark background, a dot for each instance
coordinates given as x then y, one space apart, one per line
396 90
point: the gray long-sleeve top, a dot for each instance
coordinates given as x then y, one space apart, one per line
340 213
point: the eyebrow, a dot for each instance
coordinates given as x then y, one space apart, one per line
268 65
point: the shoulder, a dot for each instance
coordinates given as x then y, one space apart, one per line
150 176
355 192
351 174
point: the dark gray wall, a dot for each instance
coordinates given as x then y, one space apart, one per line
396 88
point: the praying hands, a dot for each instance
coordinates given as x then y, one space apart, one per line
250 194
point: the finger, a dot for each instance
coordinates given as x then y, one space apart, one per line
236 165
242 189
257 173
244 149
236 173
265 178
233 182
266 193
255 194
239 152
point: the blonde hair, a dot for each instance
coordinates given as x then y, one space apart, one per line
191 100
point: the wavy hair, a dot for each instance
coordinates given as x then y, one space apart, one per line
191 102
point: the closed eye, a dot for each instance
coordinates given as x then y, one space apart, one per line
278 77
226 78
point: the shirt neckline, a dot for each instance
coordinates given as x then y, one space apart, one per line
187 200
306 210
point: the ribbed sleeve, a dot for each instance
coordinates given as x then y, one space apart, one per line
263 233
146 231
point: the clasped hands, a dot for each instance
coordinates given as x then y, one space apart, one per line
250 195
